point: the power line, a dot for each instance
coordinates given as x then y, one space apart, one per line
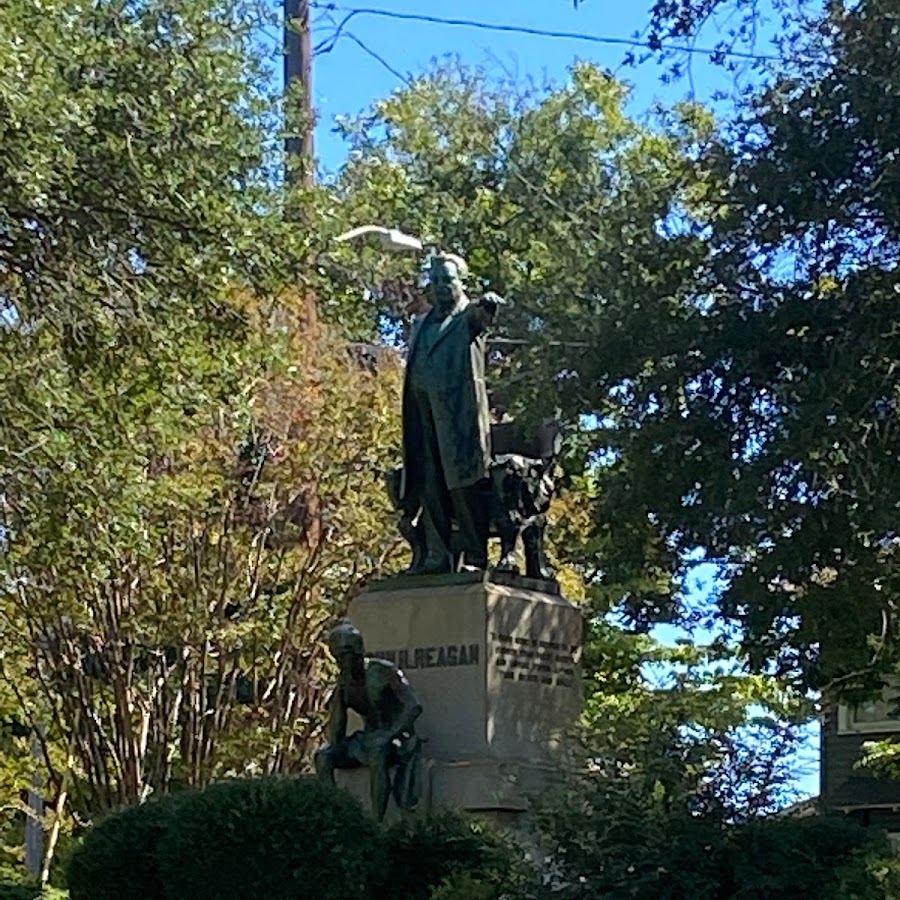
513 169
352 12
377 57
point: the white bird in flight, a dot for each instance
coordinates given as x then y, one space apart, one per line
390 238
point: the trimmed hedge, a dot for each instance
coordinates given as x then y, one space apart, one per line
277 838
117 859
284 838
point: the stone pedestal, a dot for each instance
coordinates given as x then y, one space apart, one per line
495 669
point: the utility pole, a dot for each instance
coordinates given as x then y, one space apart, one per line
298 59
34 821
298 56
298 68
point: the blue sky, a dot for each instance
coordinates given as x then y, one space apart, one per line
347 79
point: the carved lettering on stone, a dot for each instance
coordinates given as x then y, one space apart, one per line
442 657
529 659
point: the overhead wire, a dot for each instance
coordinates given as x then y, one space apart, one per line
526 182
340 30
377 57
499 27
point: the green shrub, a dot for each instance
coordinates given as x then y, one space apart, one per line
19 889
274 838
464 887
16 885
422 854
619 841
826 857
117 859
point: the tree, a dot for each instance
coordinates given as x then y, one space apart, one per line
770 438
171 621
163 581
554 196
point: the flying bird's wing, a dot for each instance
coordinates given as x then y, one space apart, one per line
360 231
390 238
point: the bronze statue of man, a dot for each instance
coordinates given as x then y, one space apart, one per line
446 427
379 693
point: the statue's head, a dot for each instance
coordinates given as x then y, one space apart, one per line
346 644
448 272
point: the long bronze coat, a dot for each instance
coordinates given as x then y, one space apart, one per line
460 404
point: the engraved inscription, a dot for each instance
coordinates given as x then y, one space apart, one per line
532 660
437 657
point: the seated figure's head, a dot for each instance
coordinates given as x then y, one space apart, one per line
448 272
346 644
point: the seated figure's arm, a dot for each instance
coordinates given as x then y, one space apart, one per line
337 717
410 708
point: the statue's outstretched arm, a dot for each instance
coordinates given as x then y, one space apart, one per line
483 310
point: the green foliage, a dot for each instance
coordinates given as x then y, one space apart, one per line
14 889
881 757
118 857
187 472
15 886
203 561
552 195
687 720
766 433
617 838
422 853
177 520
464 887
740 35
279 838
610 838
126 238
832 858
286 837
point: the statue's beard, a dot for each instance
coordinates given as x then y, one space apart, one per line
445 300
354 667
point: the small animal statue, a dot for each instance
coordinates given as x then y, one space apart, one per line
521 491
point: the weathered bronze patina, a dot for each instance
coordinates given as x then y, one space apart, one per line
446 425
379 692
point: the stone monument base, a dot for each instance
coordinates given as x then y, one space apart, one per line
495 669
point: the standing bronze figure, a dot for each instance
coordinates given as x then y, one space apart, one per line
446 424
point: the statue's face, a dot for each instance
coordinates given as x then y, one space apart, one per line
346 646
446 285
